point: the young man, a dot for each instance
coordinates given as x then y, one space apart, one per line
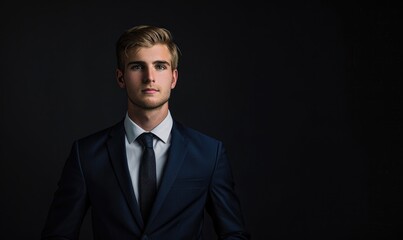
140 191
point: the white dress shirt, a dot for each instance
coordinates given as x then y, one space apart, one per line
134 150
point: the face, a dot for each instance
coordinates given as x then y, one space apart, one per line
148 77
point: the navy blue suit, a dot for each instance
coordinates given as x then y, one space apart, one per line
197 177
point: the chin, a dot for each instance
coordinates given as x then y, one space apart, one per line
148 104
153 106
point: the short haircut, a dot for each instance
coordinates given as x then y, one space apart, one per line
145 36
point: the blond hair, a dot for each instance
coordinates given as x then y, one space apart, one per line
145 36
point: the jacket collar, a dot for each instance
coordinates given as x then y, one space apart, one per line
117 153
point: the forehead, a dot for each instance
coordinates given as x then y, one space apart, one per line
158 52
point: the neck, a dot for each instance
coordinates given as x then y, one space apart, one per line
147 119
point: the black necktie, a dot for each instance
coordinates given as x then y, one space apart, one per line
147 179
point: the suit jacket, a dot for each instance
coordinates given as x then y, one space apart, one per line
197 177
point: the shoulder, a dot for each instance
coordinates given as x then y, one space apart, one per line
194 136
103 134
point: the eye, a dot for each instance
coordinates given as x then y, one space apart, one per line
136 67
160 66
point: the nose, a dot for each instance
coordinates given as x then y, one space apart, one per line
149 75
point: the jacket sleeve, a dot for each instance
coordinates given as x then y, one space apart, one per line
223 204
70 202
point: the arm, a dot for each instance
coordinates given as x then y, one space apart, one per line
223 203
70 202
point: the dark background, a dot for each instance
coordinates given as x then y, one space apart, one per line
304 94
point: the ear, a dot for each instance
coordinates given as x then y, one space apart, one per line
119 78
174 78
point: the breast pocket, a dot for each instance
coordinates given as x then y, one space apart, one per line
190 183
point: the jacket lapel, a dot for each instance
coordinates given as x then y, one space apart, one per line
175 159
117 154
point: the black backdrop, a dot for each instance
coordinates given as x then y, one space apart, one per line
303 94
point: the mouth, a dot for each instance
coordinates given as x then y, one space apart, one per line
149 90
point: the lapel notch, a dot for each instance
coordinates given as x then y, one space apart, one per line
175 159
117 154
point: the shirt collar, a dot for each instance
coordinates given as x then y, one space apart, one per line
162 130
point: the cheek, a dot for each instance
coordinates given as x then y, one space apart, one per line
133 77
131 87
132 81
169 86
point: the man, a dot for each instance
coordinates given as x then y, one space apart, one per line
189 171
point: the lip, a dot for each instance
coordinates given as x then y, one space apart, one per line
149 90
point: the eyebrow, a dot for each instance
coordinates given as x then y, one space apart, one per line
155 62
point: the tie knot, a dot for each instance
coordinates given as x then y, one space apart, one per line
146 139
